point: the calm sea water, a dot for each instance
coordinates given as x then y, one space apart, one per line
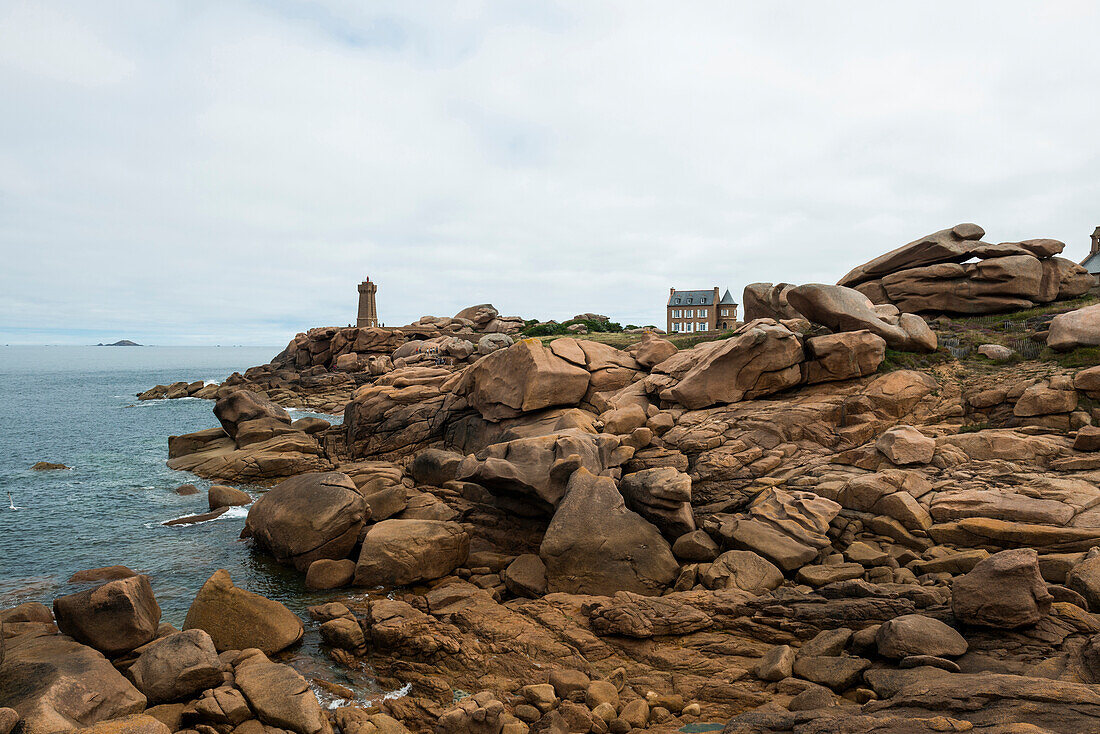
77 406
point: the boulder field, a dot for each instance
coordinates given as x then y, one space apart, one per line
771 532
782 530
103 662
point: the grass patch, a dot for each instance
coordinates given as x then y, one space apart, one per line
1080 357
687 342
974 428
624 340
896 360
1047 309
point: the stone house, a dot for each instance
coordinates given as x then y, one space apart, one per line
1092 262
693 312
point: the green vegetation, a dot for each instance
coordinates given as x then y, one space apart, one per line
1049 309
1080 357
896 360
553 328
687 341
974 428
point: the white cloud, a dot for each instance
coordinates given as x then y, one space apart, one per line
233 169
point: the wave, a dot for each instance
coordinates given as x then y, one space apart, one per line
232 512
399 693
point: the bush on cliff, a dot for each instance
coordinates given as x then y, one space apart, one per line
553 328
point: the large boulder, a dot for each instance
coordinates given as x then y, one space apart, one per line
953 245
220 495
114 618
403 552
525 576
280 697
906 445
843 356
177 667
57 684
1005 591
307 518
761 358
244 405
661 495
743 570
537 469
844 309
481 314
651 350
237 619
522 378
988 286
595 545
1080 328
767 301
916 634
490 343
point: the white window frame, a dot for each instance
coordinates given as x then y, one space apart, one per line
702 326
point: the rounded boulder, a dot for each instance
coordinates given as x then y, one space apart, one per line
916 634
307 518
402 552
114 618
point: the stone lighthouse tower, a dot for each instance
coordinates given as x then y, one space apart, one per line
368 312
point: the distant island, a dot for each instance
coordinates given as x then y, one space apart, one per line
120 343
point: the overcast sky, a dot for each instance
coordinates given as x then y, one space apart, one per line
227 171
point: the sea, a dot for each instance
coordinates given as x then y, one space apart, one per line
77 406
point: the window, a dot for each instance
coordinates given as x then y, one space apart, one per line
702 326
689 300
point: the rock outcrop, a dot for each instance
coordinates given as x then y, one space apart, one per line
761 358
844 309
56 684
934 274
522 379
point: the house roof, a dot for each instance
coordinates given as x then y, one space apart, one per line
1092 263
691 298
727 299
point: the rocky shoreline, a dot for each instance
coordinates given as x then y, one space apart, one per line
822 522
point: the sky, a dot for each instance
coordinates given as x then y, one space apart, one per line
226 171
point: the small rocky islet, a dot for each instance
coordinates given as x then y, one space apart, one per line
872 507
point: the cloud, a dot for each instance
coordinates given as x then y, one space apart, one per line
228 172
